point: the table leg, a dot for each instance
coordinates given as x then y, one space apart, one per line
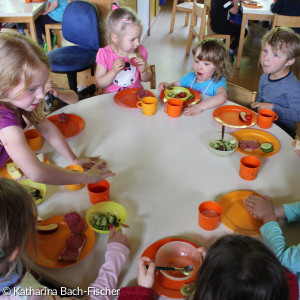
241 42
33 31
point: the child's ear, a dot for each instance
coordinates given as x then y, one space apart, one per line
114 38
289 62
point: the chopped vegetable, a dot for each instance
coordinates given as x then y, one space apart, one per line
35 193
223 145
102 221
267 147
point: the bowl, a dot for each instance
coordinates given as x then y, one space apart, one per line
177 254
112 208
172 92
32 187
215 139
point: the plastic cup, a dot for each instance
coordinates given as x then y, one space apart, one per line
174 107
34 139
209 216
266 117
249 167
78 186
27 1
148 105
99 191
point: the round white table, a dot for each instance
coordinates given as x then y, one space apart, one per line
164 171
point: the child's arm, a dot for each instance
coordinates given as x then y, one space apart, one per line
104 78
234 10
144 69
214 101
51 7
296 144
165 85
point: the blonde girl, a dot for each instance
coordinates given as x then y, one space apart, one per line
208 76
24 71
18 217
123 63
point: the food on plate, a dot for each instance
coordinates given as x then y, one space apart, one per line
245 116
47 229
41 157
13 170
142 93
133 62
249 145
252 2
223 145
102 221
267 147
75 223
187 289
178 92
62 118
73 249
34 192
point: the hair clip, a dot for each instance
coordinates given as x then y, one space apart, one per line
115 6
127 21
1 253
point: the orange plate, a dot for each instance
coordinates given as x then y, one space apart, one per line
72 127
128 98
195 100
162 285
257 135
228 115
50 246
236 217
258 5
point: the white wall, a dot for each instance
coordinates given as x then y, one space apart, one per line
143 13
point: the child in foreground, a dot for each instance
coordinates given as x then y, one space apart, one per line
235 267
208 76
261 208
15 201
123 63
24 71
279 89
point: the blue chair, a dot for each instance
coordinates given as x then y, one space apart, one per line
80 26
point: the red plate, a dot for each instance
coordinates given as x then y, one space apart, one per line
162 285
128 98
228 115
72 127
195 100
50 246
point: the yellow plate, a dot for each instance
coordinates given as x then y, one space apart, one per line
236 217
257 135
36 185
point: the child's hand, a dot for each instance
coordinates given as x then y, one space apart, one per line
98 173
52 88
193 110
296 144
89 162
141 64
119 64
145 277
118 237
162 86
262 105
260 208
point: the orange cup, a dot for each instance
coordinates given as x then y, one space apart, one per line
148 105
27 1
99 191
78 186
209 215
34 139
174 107
249 167
265 118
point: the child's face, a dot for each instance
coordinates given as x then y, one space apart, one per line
129 41
35 93
204 70
275 62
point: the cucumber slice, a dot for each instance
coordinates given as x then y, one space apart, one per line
267 147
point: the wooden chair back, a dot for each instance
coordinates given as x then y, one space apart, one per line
153 79
186 6
240 95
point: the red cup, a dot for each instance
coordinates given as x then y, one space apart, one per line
34 139
27 1
99 191
266 117
209 216
249 167
174 107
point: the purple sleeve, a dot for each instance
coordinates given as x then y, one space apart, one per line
8 118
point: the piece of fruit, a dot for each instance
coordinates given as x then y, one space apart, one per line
182 95
132 62
242 116
47 229
248 117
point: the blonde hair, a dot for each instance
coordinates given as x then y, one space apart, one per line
119 19
20 58
213 50
18 215
283 39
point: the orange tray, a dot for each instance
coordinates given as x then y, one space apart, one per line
50 246
128 98
195 100
228 115
236 217
72 127
162 285
257 135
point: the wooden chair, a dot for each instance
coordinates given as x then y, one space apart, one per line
287 21
240 95
56 27
186 6
202 11
153 79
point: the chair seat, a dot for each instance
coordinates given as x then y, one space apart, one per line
71 59
186 5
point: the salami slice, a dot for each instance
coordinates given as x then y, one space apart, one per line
75 223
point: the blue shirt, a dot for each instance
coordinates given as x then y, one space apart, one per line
208 87
58 12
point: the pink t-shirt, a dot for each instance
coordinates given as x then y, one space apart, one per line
127 78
